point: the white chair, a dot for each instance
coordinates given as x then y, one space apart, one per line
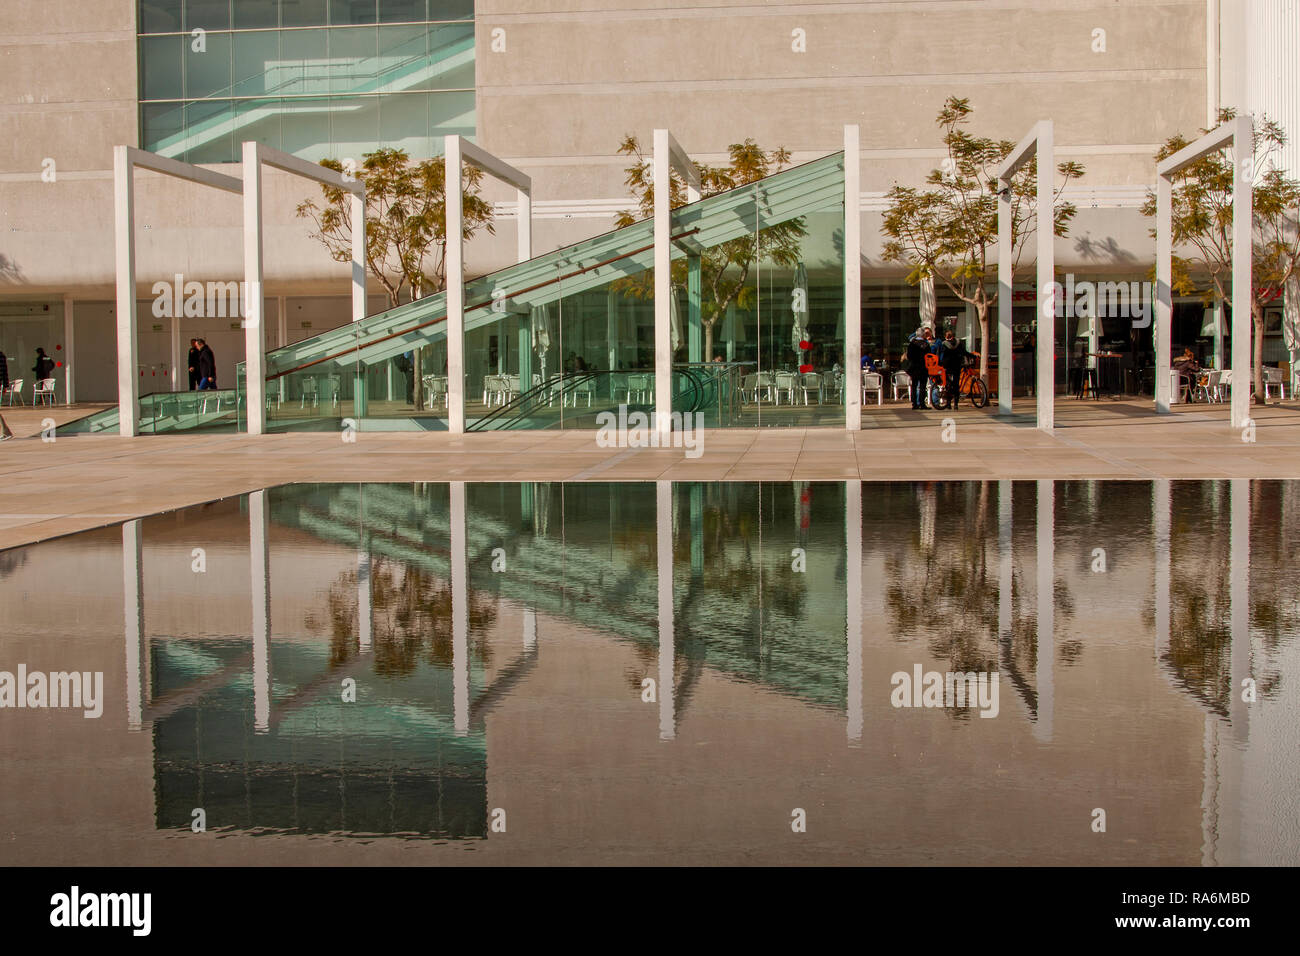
1273 378
638 385
41 390
15 390
873 382
785 382
1209 389
813 381
902 382
586 386
310 390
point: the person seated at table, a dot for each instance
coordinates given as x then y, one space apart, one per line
868 363
1186 364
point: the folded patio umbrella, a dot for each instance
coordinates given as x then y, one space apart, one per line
928 303
799 333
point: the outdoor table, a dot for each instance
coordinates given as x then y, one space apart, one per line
1110 375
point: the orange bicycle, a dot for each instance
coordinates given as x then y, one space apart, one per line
969 385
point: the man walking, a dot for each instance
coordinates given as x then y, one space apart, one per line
207 366
194 364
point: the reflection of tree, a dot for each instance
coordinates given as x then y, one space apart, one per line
411 618
11 561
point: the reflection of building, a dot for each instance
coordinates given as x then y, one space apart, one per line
555 91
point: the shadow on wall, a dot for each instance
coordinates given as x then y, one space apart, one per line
10 271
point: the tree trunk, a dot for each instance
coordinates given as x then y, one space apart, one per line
708 340
982 310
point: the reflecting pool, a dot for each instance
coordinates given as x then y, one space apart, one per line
958 672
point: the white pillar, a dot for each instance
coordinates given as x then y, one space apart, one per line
1242 253
260 581
133 607
1006 371
1046 624
1045 388
254 340
1164 304
455 260
525 250
852 279
128 384
282 324
663 289
176 354
69 341
530 629
1239 600
459 611
853 604
664 565
358 203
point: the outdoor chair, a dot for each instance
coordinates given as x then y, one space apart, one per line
310 391
638 385
1274 379
811 381
584 386
42 390
785 382
1208 387
902 383
15 390
873 382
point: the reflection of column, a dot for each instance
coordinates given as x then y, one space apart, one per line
1004 562
1046 607
365 625
1239 594
853 604
697 529
530 629
694 320
459 611
133 604
664 542
1161 508
259 561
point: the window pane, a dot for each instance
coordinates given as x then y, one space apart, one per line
450 113
208 73
209 132
404 124
401 11
304 63
451 9
352 59
257 68
352 11
257 120
253 14
160 16
354 125
160 68
451 58
207 14
304 13
159 122
305 128
403 57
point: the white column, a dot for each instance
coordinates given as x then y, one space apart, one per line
133 608
455 259
1006 373
69 342
1046 624
667 650
254 340
1162 514
1045 389
853 604
530 629
1242 250
1239 600
525 250
1164 304
852 279
128 384
459 610
663 285
358 203
282 324
1218 332
260 581
176 354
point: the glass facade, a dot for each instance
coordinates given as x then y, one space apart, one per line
315 78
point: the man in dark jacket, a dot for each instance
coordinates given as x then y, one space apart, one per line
952 357
44 366
207 367
4 372
917 349
193 363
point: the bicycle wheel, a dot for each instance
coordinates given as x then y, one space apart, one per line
979 393
936 396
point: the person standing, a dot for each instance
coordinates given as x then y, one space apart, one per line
207 366
952 358
4 373
917 349
44 366
193 363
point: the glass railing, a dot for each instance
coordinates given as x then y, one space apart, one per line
162 412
